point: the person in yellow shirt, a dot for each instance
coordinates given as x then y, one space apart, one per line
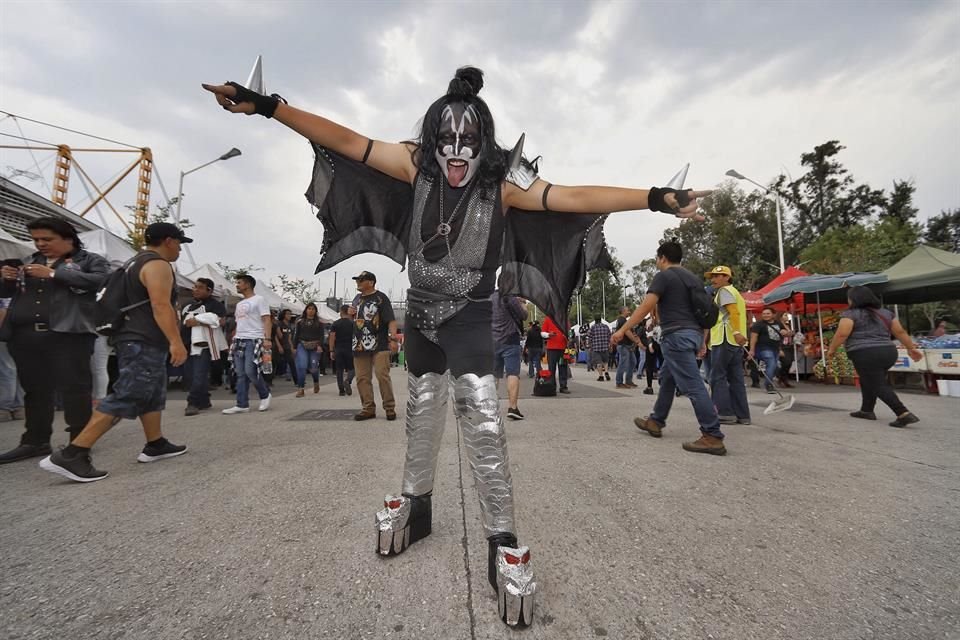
726 341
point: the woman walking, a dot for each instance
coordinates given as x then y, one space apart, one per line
307 339
283 345
866 330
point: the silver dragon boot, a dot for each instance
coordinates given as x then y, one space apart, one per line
477 408
408 517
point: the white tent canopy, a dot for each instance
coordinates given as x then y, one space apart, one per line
11 248
222 288
114 248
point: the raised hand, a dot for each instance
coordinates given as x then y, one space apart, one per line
225 94
684 203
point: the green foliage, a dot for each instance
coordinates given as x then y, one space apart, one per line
943 231
603 293
231 272
872 247
740 231
164 213
296 289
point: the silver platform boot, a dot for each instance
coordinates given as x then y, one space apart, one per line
477 408
408 517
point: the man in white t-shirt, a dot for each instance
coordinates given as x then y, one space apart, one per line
251 345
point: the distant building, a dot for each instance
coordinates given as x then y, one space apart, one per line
19 205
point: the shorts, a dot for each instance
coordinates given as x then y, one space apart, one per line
599 358
506 358
141 385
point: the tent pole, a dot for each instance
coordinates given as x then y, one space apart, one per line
823 351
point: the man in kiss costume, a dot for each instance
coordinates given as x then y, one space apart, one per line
457 207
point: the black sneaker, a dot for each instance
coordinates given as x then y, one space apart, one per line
25 451
648 391
606 376
599 378
904 420
191 411
514 414
79 468
159 452
564 390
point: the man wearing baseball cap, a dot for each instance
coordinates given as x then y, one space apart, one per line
148 337
374 339
727 339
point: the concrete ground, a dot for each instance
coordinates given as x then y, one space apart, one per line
815 525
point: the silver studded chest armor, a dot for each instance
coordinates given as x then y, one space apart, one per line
459 271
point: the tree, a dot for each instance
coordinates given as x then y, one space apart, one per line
900 202
872 247
740 231
943 231
825 197
231 272
296 289
164 213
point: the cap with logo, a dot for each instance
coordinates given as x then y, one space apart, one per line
719 270
162 230
365 275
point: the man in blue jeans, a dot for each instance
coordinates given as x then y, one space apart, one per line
626 353
508 316
251 346
682 342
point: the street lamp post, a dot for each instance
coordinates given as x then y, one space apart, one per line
233 153
625 287
739 176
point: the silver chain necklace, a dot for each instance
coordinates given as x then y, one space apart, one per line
444 228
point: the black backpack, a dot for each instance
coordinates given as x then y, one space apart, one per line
705 310
113 301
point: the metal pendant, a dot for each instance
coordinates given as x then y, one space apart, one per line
443 229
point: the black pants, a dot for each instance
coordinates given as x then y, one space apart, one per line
47 363
466 344
196 375
653 362
872 364
343 366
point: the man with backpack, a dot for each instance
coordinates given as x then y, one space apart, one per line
728 337
685 311
143 337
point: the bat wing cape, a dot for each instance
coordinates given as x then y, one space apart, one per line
545 258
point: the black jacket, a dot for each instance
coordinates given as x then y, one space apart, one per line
73 300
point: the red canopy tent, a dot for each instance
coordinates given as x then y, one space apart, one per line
754 299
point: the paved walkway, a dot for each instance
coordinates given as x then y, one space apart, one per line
814 526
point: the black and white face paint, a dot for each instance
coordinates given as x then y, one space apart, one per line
458 143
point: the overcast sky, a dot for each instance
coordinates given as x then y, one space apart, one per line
607 92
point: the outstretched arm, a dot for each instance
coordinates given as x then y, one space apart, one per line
395 160
595 199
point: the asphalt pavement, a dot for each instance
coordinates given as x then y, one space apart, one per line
815 525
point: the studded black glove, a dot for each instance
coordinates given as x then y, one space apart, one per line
264 105
655 199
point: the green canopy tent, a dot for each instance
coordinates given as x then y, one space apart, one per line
926 275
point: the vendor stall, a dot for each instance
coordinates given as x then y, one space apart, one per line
818 329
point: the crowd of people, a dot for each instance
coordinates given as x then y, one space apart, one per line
55 355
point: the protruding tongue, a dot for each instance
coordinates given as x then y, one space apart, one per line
456 174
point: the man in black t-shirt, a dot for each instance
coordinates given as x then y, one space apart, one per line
682 342
340 344
374 339
534 347
196 370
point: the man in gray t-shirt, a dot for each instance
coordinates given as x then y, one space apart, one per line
683 341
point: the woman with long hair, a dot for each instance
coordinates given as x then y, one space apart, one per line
865 328
307 339
285 365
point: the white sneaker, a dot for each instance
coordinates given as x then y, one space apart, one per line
233 410
265 403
